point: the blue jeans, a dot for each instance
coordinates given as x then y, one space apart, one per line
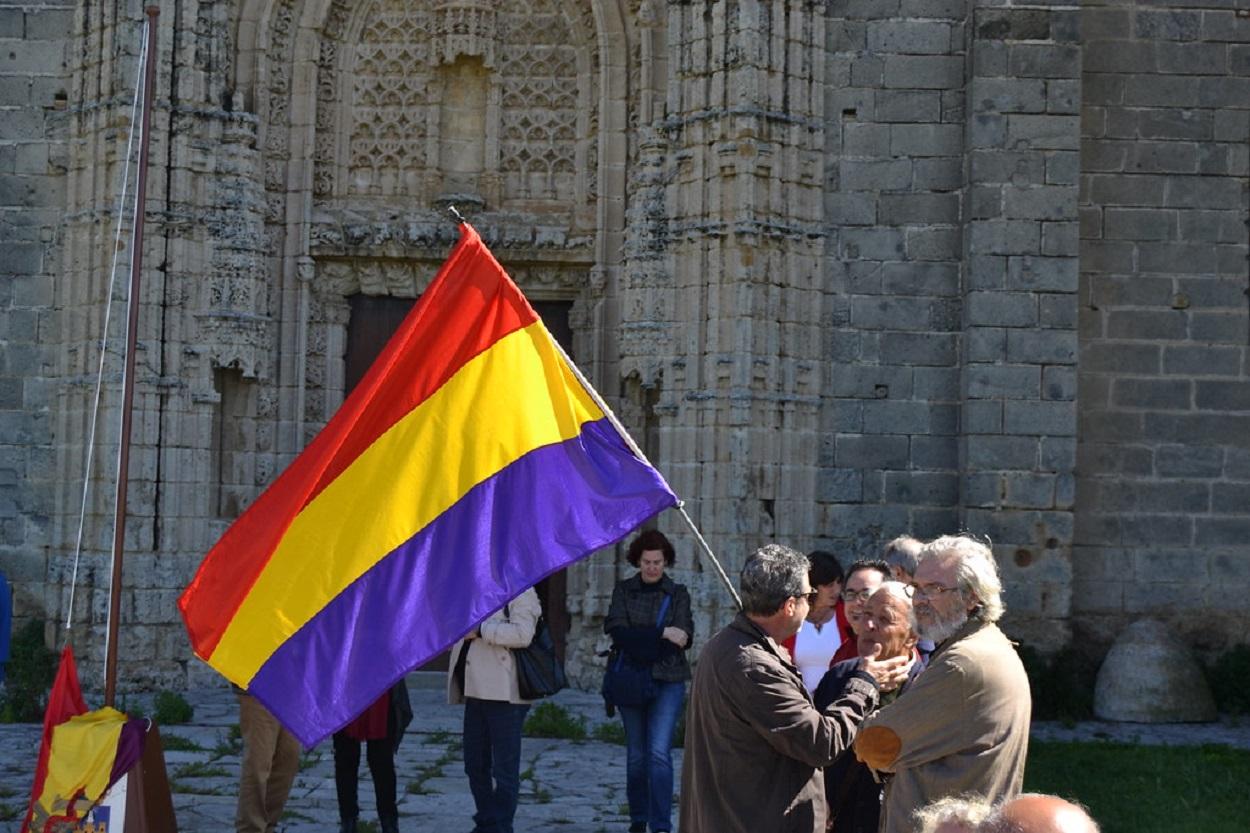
649 756
492 760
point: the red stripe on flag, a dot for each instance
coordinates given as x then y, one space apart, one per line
434 341
64 701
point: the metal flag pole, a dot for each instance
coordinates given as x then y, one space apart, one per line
633 446
637 452
128 375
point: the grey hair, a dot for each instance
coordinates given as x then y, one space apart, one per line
771 575
903 552
898 590
976 571
969 810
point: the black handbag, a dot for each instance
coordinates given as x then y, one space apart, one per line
628 683
539 672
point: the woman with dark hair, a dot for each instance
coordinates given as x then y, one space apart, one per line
825 628
651 625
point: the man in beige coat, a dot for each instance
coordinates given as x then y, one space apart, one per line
963 726
754 741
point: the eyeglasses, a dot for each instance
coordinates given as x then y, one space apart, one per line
811 596
851 596
931 591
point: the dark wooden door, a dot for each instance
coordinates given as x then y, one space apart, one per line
374 319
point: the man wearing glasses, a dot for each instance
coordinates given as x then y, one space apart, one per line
754 741
963 725
862 580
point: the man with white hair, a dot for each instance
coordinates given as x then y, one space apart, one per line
963 725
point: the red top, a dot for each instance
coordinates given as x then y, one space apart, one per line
849 649
371 723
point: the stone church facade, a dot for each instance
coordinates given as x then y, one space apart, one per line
847 268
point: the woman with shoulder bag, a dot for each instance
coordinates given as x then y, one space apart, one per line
651 626
484 677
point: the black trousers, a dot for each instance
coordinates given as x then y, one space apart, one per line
346 776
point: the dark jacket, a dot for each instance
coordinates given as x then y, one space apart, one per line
754 741
631 624
854 795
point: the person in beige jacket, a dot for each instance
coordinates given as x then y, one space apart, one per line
483 676
963 726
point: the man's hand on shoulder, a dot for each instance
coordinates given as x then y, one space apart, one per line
889 673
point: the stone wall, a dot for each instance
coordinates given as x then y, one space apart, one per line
34 87
1164 458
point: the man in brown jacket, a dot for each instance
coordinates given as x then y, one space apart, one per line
754 741
963 725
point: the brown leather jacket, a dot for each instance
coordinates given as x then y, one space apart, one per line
754 741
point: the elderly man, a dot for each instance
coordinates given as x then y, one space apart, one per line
1036 813
963 726
754 741
887 630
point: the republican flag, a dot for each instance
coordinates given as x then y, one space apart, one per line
82 754
468 464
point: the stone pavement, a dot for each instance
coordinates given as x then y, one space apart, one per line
575 786
566 785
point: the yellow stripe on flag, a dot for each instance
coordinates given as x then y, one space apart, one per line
83 750
517 396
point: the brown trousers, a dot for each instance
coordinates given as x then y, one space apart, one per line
270 761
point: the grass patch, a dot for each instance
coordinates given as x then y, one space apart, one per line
548 720
232 744
28 675
176 786
610 733
434 770
178 743
1139 789
170 709
437 738
10 812
199 769
296 815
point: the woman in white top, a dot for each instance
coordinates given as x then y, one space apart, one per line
818 639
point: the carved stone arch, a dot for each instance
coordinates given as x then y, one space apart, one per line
284 48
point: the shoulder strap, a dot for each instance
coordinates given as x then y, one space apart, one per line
659 620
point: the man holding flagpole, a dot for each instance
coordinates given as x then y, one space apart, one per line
270 763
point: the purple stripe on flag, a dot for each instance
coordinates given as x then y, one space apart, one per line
555 505
130 745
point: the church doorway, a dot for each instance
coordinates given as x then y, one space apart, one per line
373 320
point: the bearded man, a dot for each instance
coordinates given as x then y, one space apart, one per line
962 727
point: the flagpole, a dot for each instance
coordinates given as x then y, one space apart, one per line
128 375
633 447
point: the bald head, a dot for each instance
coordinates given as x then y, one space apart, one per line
1033 813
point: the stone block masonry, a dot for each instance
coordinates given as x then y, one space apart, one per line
33 100
1163 322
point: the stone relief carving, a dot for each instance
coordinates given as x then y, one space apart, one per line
379 115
